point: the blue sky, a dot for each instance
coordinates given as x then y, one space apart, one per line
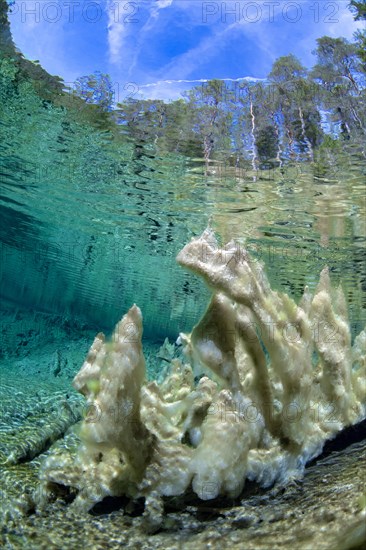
153 47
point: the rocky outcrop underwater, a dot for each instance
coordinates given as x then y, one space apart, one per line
264 384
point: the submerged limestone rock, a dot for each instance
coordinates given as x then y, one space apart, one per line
275 381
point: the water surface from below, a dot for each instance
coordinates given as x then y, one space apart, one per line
92 224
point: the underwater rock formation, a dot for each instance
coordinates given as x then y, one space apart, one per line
275 381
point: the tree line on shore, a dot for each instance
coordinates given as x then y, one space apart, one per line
287 116
245 123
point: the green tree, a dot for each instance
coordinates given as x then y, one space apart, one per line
267 143
358 8
97 89
166 126
293 97
211 117
259 132
337 64
338 72
6 41
287 70
179 136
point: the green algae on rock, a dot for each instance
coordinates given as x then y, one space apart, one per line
265 411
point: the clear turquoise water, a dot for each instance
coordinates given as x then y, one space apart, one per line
92 222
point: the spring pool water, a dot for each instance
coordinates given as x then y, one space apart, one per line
91 222
89 227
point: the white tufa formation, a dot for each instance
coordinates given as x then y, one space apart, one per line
280 379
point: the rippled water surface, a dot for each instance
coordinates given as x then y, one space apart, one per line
92 223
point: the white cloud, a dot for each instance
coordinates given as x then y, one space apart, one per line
143 33
117 29
161 4
121 13
346 26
